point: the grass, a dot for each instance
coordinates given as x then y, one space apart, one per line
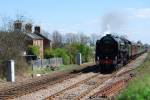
41 70
139 87
49 70
68 67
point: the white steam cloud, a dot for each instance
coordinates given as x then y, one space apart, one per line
112 22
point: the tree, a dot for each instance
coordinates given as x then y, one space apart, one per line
75 48
12 46
57 39
71 38
71 50
84 39
93 39
85 51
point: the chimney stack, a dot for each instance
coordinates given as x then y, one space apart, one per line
28 28
17 25
37 29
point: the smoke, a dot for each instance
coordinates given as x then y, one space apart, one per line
112 22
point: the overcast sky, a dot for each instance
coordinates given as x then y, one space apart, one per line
127 17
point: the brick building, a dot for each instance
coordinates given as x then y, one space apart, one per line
35 38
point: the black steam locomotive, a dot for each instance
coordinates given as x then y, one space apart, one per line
112 52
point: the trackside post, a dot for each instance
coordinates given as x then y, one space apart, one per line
78 59
11 71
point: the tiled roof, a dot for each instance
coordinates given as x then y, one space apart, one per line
41 35
34 36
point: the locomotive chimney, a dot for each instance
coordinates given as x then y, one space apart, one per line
17 25
108 34
28 27
37 29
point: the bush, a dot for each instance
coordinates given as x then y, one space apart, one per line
75 48
33 50
3 66
48 53
21 66
72 50
86 52
68 53
58 52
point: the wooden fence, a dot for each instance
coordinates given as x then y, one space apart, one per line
52 62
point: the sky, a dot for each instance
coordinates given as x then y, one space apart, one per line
124 17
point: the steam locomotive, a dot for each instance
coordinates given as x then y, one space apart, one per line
112 52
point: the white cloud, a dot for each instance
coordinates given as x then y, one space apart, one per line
138 12
143 13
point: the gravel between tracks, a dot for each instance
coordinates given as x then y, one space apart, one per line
79 89
41 94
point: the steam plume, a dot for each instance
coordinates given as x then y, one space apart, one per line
112 22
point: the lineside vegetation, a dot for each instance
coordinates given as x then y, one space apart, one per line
139 87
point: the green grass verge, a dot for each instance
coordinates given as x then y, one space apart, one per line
67 67
139 87
49 70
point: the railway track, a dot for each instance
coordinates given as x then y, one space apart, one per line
81 89
109 90
88 84
26 88
119 82
21 89
61 94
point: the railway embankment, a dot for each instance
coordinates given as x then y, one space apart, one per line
139 87
51 74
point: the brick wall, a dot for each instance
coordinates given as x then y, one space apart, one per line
40 44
